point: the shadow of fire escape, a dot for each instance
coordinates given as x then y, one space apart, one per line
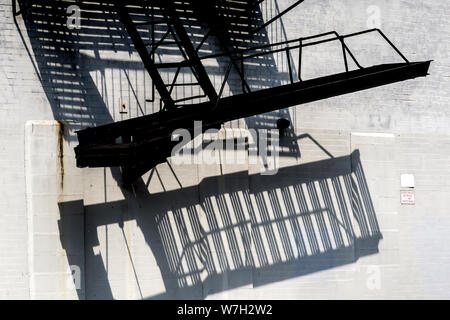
311 217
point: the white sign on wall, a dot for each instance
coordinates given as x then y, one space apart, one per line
407 181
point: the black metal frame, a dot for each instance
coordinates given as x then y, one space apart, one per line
147 141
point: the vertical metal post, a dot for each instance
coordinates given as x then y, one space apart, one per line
344 53
242 73
300 49
289 65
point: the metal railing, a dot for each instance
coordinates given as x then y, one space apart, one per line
238 56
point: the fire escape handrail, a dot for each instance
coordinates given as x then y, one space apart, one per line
239 55
301 39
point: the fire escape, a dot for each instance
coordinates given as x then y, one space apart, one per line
139 144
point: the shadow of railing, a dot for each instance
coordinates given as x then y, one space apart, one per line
239 229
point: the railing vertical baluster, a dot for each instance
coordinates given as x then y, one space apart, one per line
300 60
344 53
243 73
289 65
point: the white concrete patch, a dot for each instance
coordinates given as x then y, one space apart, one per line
55 234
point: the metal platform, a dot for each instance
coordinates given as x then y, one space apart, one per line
147 141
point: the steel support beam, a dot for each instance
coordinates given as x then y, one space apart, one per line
152 135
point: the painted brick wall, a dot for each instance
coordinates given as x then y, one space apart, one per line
21 98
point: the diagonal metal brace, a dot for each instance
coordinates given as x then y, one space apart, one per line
143 53
203 78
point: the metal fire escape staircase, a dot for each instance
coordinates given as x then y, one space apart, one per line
139 144
181 39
